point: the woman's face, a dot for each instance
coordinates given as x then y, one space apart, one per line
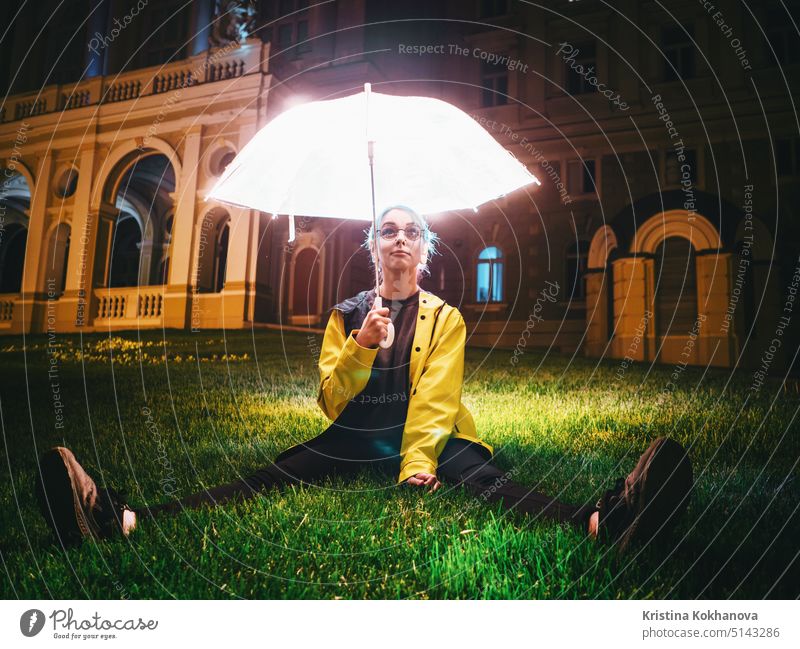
399 254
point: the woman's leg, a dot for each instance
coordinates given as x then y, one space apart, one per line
466 463
304 463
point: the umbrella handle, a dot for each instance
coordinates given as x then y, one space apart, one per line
386 342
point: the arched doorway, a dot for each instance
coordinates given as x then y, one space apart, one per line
125 251
12 258
660 291
212 253
134 232
306 286
675 287
221 256
15 202
685 287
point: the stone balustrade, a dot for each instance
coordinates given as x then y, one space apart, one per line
133 306
7 308
214 65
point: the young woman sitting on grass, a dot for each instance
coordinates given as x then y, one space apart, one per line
397 410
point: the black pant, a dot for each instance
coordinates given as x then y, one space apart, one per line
337 452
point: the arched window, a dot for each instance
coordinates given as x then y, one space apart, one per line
490 275
676 287
576 260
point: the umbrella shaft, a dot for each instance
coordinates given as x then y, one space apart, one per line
371 154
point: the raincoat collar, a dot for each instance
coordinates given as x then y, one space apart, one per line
362 302
355 309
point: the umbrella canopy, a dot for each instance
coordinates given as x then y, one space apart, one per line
341 157
312 160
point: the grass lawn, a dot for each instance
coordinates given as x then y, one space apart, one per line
224 404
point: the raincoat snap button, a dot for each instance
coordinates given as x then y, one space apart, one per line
416 348
422 317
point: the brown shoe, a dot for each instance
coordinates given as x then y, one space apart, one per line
649 502
71 503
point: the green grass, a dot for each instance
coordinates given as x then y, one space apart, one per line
567 426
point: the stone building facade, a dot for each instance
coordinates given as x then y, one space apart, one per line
666 145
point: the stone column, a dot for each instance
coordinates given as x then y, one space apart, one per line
176 299
29 309
252 264
713 296
75 305
239 279
633 309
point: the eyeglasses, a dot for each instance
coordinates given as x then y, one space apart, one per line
413 232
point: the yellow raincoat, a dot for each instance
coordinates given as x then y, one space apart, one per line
436 373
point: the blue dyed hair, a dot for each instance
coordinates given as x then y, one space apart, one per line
429 238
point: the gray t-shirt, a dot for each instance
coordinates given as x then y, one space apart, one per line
377 415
